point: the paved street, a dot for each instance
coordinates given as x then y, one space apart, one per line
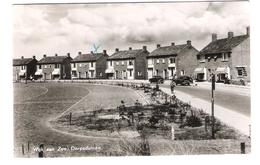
233 98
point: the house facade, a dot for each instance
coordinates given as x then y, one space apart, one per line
227 58
86 66
127 64
54 67
171 61
24 68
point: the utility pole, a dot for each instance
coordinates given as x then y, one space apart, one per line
213 81
26 75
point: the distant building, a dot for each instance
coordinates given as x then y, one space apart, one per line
91 65
54 67
127 64
227 58
24 68
173 60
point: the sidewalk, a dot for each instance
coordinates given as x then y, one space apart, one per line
231 118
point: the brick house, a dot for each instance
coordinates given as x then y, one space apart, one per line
227 58
172 60
127 64
91 65
24 68
54 67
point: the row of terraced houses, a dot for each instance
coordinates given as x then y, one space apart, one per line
227 57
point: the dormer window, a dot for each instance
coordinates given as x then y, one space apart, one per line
172 60
224 56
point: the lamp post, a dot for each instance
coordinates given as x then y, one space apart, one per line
213 81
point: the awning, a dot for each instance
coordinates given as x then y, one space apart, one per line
56 72
39 72
221 70
199 70
109 70
22 72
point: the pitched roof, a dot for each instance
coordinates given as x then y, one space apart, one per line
88 57
52 59
223 45
127 54
167 50
22 61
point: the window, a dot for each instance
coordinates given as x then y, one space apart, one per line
224 56
45 66
150 61
241 71
22 67
172 60
111 63
80 65
117 63
49 66
182 72
57 65
123 63
91 64
163 61
157 61
130 62
139 73
40 66
157 72
74 65
201 58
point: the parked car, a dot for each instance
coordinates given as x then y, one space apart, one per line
184 80
156 79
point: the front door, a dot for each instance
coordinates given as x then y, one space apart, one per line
150 73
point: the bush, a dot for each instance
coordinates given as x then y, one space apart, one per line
193 121
238 82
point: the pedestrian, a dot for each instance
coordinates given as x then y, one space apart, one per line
173 84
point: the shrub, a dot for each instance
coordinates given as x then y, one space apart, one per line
193 121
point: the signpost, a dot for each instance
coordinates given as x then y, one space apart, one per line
212 104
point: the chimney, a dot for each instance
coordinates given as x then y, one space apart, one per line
56 55
117 49
189 42
230 34
144 48
105 52
130 48
172 44
158 45
214 37
68 54
44 55
79 53
248 30
33 57
22 57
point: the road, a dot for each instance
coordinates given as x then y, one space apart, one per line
236 99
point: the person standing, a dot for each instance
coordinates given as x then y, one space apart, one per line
172 85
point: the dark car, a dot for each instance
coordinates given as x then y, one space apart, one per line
183 80
156 79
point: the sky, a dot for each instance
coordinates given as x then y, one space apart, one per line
63 28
